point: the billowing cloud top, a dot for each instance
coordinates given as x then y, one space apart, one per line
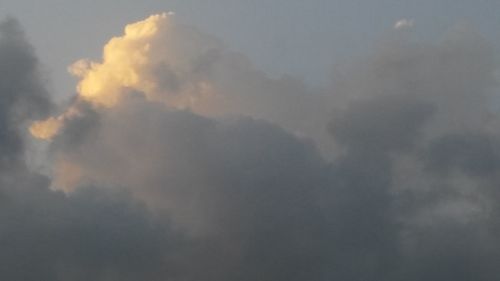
151 58
183 68
178 160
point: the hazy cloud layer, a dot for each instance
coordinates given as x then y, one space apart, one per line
223 188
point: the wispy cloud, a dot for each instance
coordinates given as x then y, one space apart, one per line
404 23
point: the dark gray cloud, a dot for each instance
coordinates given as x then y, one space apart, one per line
90 235
381 124
23 95
157 193
473 154
421 142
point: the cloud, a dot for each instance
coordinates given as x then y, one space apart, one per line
163 182
47 235
404 24
253 189
183 68
23 96
417 127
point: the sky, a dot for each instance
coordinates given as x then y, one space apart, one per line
270 141
301 38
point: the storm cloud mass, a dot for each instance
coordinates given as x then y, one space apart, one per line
178 160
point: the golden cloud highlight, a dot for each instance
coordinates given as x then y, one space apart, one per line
46 129
125 60
154 58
